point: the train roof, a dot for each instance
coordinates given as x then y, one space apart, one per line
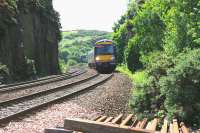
103 40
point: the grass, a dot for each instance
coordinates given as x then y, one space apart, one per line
138 77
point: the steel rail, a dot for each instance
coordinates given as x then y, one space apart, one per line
35 80
42 82
3 103
26 105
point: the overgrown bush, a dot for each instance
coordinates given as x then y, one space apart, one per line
71 62
4 73
157 66
181 87
172 87
133 57
63 66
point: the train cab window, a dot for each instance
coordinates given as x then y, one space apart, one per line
104 49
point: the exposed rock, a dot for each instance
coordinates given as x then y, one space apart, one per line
29 35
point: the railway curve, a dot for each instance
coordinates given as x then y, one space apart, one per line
11 108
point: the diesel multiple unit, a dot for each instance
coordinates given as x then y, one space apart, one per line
103 56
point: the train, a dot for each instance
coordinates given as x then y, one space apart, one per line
102 57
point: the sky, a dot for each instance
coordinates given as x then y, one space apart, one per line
89 14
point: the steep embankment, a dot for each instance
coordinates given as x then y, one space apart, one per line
75 46
29 35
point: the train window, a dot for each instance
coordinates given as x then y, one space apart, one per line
104 49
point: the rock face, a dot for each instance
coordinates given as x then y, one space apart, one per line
29 36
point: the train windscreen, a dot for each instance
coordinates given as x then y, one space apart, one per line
104 49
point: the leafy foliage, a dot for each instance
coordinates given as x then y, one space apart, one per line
181 87
148 92
153 36
4 73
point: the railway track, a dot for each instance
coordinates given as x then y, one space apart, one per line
14 107
22 93
24 85
35 80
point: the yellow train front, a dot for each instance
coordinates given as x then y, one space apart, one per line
104 55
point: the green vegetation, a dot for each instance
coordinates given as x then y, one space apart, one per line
181 86
137 77
75 45
159 42
4 72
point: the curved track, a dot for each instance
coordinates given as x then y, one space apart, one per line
24 85
43 89
35 80
15 107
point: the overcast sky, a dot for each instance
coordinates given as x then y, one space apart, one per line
89 14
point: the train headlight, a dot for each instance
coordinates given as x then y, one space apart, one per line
97 58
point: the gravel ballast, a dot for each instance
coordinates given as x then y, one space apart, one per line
110 98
